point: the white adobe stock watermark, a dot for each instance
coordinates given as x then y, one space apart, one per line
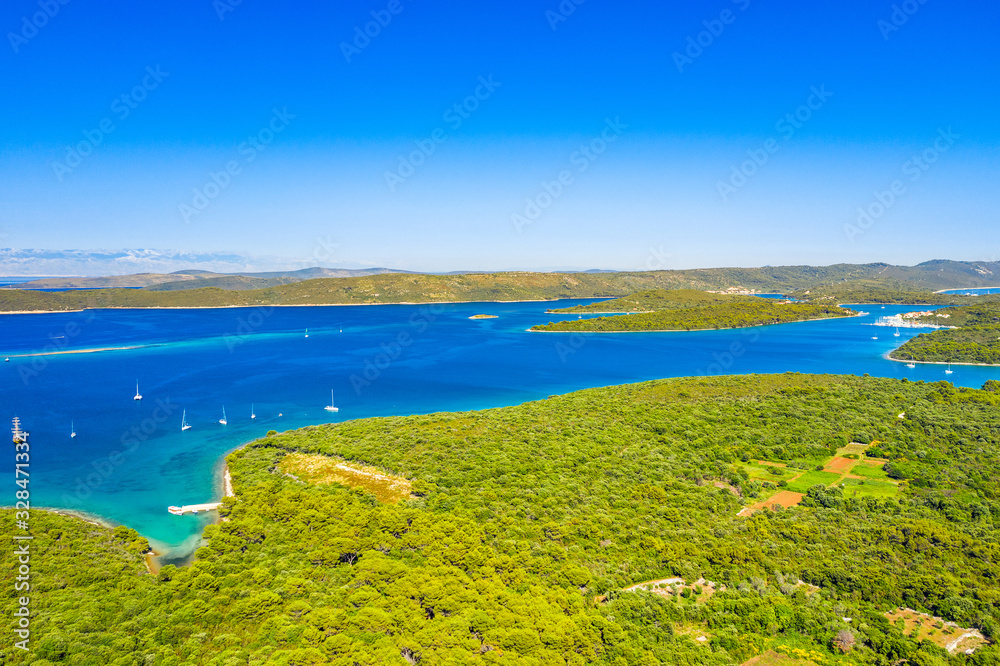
363 36
30 25
714 28
899 17
787 126
582 158
914 169
455 116
562 12
122 107
249 149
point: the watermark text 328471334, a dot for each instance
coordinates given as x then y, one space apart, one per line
22 537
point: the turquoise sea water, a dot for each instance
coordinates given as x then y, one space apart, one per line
973 292
380 360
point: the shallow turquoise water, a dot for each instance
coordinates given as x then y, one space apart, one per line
381 360
973 292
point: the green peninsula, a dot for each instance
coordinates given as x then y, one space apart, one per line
974 340
912 283
653 300
621 525
684 310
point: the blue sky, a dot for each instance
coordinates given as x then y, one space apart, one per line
272 129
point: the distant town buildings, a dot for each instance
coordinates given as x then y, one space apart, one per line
925 313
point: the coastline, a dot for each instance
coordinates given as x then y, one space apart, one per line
16 312
941 291
698 330
149 558
292 305
887 357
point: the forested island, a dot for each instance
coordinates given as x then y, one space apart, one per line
975 338
653 300
683 310
596 527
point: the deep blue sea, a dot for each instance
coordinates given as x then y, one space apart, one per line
380 360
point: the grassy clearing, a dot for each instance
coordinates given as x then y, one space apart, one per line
318 469
770 472
810 479
948 635
870 471
678 590
869 488
853 447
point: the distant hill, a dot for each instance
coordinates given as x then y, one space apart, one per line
398 287
196 279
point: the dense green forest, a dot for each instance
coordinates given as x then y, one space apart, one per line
975 340
421 288
753 311
526 524
657 299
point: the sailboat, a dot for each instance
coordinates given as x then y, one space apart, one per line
253 414
911 365
307 332
72 430
949 370
184 422
138 396
223 420
897 332
331 407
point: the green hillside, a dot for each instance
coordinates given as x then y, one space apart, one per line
411 287
527 523
976 340
753 311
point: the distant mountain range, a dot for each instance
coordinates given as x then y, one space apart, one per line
303 288
128 263
195 279
930 275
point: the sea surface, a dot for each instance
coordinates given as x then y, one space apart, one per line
973 292
130 459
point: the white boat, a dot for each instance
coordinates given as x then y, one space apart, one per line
253 415
6 359
874 337
184 423
307 332
949 370
331 407
138 396
223 420
72 430
911 365
897 332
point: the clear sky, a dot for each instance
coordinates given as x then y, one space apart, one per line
619 134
